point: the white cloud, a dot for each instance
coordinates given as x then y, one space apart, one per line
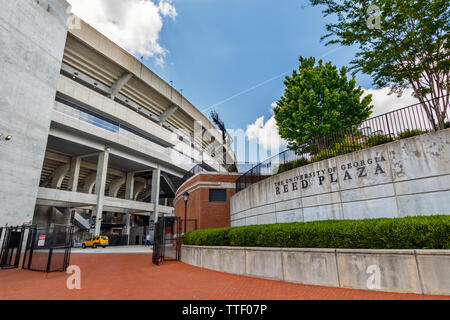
265 133
384 103
135 25
167 9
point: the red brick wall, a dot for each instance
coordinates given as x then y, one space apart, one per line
208 214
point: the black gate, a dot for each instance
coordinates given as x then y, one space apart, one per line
46 249
11 246
167 241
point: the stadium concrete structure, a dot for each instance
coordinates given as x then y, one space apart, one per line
88 130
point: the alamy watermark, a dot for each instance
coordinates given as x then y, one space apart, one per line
73 22
74 280
374 20
374 280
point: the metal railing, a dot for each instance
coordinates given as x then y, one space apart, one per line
402 123
196 169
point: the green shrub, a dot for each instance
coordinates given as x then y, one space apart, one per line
410 133
378 139
447 125
208 237
423 232
292 165
337 149
347 147
324 154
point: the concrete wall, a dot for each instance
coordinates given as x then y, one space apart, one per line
408 177
409 271
32 38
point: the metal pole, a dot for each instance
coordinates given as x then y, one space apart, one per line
185 215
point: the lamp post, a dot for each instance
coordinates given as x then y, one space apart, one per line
186 197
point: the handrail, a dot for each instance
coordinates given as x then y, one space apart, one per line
409 120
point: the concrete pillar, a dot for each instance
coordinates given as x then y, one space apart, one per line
31 51
42 216
138 188
156 178
62 217
115 186
100 185
89 183
58 176
129 192
75 166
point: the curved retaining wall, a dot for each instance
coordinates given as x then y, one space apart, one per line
408 271
408 177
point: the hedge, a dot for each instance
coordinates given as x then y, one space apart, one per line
378 139
292 165
411 133
337 149
423 232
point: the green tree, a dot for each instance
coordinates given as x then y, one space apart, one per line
318 100
402 43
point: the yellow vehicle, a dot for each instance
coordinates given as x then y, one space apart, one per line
97 241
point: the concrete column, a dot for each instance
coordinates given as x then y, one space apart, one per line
129 186
31 50
89 183
115 186
129 192
138 188
100 185
58 176
75 166
156 178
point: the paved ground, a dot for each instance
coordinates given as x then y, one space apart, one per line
133 276
118 250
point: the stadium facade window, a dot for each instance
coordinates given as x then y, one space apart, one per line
217 195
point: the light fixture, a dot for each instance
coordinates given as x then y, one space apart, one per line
1 134
186 197
8 137
107 149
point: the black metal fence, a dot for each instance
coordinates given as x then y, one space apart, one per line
48 249
391 126
167 241
11 240
196 169
117 239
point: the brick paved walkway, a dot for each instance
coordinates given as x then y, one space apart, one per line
133 276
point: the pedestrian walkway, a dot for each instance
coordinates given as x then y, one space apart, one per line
115 250
133 276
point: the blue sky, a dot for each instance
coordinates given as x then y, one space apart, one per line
218 48
223 52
